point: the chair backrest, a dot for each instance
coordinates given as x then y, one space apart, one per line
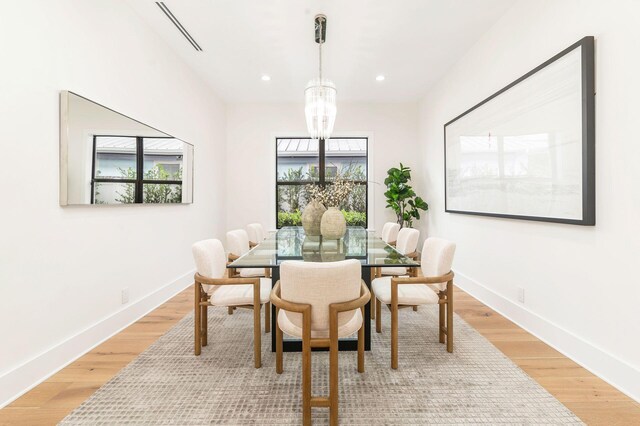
209 258
407 240
320 284
437 258
390 232
238 242
256 233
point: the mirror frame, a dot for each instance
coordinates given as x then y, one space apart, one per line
64 152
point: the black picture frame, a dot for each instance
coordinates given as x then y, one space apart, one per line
587 46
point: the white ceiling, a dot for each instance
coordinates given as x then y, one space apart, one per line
411 42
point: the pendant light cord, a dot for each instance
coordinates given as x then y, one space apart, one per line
321 41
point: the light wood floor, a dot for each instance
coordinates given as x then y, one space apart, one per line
590 398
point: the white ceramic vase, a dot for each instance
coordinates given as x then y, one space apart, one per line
333 226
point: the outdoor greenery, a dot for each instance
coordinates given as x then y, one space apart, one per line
153 193
292 199
401 198
295 218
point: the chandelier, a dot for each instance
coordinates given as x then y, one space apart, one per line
320 94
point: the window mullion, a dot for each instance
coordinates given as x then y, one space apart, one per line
139 169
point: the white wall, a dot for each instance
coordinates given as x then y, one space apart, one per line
581 283
62 269
251 132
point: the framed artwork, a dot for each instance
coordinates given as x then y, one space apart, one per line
528 151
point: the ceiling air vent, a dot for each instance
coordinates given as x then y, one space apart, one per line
178 25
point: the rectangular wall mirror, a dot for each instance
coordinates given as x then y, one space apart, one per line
109 158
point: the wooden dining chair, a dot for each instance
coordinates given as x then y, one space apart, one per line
406 244
434 287
255 232
238 245
390 232
320 303
213 289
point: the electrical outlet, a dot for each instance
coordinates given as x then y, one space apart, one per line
520 294
125 295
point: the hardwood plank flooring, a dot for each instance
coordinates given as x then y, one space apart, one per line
590 398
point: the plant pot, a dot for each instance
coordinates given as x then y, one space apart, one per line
311 218
333 226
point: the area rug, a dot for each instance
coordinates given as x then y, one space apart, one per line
168 385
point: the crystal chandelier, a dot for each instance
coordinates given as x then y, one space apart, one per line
320 94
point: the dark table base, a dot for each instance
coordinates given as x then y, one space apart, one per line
295 345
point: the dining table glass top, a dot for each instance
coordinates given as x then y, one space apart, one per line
291 243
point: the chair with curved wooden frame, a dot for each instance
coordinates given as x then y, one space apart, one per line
255 232
320 303
213 289
435 287
390 233
407 243
238 245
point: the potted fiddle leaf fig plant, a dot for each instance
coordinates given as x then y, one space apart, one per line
401 197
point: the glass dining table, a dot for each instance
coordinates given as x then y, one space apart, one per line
291 243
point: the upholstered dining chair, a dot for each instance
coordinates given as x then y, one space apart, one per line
213 289
434 287
406 244
320 303
255 232
238 244
390 232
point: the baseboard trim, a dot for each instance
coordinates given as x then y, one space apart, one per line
31 373
608 367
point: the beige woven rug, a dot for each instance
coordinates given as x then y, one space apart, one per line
168 385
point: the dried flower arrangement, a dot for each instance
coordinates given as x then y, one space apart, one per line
331 195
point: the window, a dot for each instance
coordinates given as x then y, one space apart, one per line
135 169
304 161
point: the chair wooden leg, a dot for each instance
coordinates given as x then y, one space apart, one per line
306 370
333 367
379 315
196 320
373 307
394 336
279 368
415 308
450 316
267 317
373 303
205 322
441 321
361 347
257 333
230 310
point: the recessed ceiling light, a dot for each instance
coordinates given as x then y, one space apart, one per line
266 78
380 78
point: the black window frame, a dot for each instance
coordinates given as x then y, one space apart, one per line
139 181
322 172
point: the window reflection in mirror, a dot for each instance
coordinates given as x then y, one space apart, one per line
108 158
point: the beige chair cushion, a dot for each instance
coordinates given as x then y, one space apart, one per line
407 240
344 330
319 285
437 259
408 294
255 232
394 270
238 242
251 272
390 232
209 258
239 294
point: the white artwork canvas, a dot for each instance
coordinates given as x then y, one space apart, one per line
527 151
